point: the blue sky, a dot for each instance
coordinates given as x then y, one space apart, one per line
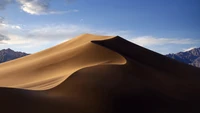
165 26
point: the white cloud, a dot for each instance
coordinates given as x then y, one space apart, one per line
1 20
34 6
62 12
19 42
39 7
4 24
56 32
149 41
17 27
3 37
17 39
8 26
10 33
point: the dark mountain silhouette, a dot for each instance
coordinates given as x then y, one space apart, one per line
191 57
9 54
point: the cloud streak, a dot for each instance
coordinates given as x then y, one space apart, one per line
1 20
149 41
36 7
3 38
8 26
57 32
39 7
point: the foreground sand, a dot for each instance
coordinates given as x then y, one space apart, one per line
98 74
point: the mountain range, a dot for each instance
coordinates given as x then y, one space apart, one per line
191 57
9 54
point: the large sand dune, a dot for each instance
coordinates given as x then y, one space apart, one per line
98 74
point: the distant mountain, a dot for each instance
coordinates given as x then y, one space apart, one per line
9 54
191 57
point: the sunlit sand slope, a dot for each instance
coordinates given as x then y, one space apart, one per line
50 67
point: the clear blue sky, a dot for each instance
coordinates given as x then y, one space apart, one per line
165 26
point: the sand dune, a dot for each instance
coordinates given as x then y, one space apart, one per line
98 74
50 67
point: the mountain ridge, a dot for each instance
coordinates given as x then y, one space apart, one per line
191 57
9 54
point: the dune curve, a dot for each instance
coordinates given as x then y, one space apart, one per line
48 68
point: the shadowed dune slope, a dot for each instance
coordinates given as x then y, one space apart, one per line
98 74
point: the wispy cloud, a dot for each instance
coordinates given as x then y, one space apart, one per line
165 45
5 25
3 38
36 7
39 7
10 26
16 39
1 20
149 41
62 12
67 31
56 32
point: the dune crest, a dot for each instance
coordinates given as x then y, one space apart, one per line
49 68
